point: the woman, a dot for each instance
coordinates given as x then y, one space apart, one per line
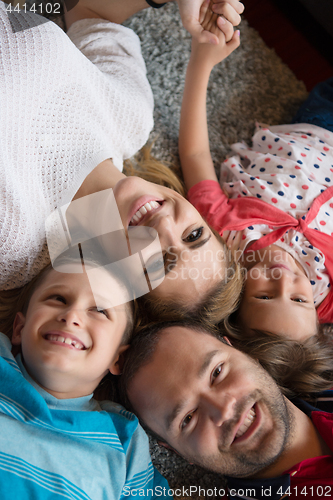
85 108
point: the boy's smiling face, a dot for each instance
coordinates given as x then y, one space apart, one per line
68 341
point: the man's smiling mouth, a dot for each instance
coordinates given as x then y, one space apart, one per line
248 421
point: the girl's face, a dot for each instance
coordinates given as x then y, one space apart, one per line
193 258
278 295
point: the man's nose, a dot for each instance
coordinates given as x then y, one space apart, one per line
219 407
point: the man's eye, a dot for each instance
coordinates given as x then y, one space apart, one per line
194 235
217 371
187 420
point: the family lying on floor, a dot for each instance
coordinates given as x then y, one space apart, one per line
208 308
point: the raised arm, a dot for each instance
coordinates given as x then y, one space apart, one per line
194 150
118 11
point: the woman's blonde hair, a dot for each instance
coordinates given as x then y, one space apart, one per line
150 169
223 298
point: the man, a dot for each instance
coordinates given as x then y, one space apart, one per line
218 408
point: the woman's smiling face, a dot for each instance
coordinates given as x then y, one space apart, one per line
192 258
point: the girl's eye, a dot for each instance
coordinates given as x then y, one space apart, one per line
263 297
187 420
194 235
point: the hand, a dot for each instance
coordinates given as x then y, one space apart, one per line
208 55
190 14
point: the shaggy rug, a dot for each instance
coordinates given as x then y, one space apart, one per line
253 85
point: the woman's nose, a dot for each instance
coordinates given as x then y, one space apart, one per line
167 230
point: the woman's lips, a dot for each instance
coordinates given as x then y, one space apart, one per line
143 208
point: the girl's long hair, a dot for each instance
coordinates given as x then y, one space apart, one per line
301 369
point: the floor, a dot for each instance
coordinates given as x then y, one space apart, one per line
298 39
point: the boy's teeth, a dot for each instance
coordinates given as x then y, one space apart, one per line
65 340
147 207
246 424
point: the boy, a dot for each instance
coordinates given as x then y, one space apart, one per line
56 440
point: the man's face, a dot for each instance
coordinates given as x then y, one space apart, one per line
213 404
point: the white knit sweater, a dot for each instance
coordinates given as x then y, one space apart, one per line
62 112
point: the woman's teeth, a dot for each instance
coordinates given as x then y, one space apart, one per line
147 207
246 424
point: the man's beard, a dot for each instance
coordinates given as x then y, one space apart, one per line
237 463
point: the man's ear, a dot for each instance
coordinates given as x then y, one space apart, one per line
118 363
18 325
227 340
168 447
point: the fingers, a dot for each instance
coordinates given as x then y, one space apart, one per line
237 6
234 42
228 11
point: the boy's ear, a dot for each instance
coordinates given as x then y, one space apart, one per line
118 363
227 340
18 324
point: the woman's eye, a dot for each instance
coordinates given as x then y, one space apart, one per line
156 265
194 235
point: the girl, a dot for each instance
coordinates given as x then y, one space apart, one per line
87 106
274 214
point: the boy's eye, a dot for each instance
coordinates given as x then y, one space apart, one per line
58 298
194 235
298 299
101 311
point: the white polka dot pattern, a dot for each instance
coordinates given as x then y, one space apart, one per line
288 166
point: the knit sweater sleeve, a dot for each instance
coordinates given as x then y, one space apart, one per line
62 112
